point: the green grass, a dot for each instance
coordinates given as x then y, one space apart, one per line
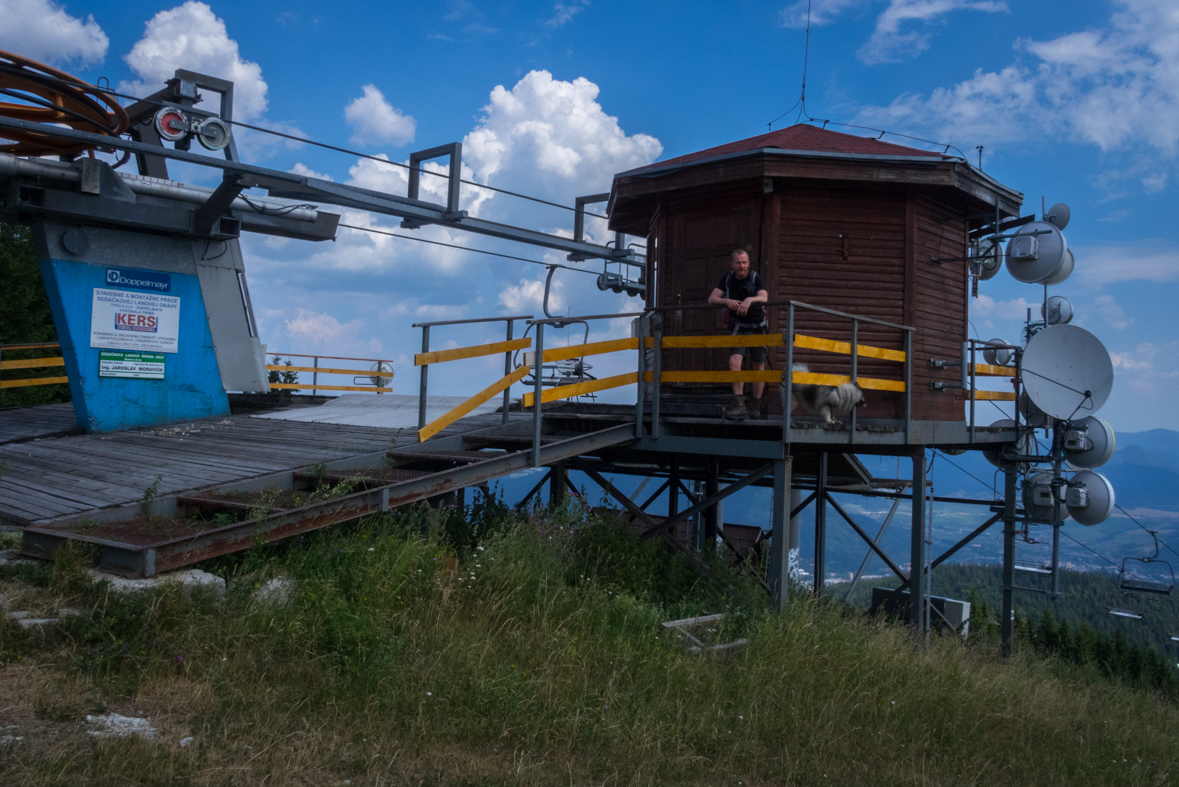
394 665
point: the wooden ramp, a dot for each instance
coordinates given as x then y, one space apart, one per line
47 479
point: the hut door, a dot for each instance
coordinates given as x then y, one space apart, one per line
702 241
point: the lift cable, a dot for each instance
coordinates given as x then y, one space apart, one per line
464 248
967 472
308 141
1148 530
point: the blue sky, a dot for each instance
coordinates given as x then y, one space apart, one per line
553 98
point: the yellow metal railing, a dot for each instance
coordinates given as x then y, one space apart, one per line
31 363
713 376
315 370
427 358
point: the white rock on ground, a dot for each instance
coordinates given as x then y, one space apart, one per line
31 623
12 557
192 578
278 591
113 725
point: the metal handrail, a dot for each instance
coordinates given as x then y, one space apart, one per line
797 304
425 368
315 372
471 321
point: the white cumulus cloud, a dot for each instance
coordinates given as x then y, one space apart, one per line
319 329
42 30
902 30
821 12
528 297
192 37
1116 87
375 121
552 139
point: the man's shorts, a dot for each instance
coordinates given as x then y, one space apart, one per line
754 354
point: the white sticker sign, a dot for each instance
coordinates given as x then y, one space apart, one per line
144 321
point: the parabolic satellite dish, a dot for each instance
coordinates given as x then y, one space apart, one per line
1089 443
1024 446
1067 372
1057 311
1058 215
1064 271
1090 498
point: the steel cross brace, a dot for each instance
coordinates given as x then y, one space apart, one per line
709 501
860 532
642 516
978 531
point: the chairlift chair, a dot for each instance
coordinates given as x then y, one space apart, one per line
1128 581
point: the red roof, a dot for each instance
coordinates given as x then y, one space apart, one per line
802 138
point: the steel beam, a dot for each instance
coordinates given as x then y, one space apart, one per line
782 556
1007 624
917 577
821 526
288 185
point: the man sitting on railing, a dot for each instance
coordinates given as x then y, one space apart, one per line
742 292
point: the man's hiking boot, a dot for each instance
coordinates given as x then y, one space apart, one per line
757 407
738 411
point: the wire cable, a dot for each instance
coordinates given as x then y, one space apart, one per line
1095 552
1152 532
967 472
358 154
465 248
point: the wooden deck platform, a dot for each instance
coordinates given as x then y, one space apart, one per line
50 477
18 424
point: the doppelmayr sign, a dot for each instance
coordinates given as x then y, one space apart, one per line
134 279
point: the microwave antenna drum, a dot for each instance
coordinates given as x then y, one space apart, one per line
1036 252
1038 499
1057 311
998 356
1089 498
989 258
1064 271
382 374
1067 372
1089 443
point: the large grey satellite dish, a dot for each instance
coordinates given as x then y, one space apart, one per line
1036 252
1067 372
1057 311
1090 498
1058 215
1032 416
1064 271
1089 443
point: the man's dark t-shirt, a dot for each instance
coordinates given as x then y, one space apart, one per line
740 289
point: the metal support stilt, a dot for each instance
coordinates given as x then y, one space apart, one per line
557 485
917 576
781 562
821 526
793 559
1008 612
712 513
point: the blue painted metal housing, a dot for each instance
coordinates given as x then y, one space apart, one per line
191 387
